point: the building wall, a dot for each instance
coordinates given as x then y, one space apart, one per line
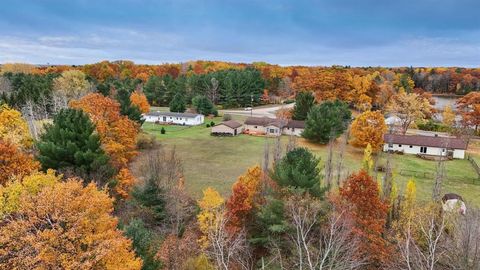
273 131
256 129
292 131
188 121
222 129
415 149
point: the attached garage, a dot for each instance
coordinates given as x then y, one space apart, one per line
227 128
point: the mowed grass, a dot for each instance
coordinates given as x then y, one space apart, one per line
218 161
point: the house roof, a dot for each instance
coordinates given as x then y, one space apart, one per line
280 123
295 124
230 124
431 141
173 114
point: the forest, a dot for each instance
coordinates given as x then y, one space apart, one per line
70 199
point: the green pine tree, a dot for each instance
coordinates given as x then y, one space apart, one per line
327 120
299 170
204 106
71 144
126 107
178 103
304 101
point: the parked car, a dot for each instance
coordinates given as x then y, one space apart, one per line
248 108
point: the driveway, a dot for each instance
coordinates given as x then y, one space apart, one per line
268 111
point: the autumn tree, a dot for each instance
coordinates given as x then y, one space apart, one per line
326 121
469 105
211 210
15 163
13 127
448 116
140 100
46 233
299 170
72 84
304 101
359 94
124 182
118 134
70 144
409 108
361 198
244 198
178 103
17 68
368 128
126 107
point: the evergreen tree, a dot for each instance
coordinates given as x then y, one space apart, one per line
151 196
178 104
127 108
143 240
71 144
327 120
304 101
204 106
299 170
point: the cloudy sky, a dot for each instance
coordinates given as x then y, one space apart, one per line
295 32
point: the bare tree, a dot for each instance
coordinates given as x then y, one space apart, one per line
440 172
277 150
329 163
163 167
320 246
213 90
5 86
228 249
340 158
292 143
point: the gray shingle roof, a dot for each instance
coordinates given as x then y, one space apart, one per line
431 141
230 124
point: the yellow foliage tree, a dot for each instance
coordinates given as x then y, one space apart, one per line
140 100
211 209
358 95
18 68
409 108
14 163
367 158
13 127
30 185
368 128
72 84
65 226
448 115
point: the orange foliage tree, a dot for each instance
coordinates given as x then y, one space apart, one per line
117 133
15 163
65 226
245 193
140 100
125 181
369 128
470 109
361 199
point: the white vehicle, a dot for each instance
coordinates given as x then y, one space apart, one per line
248 108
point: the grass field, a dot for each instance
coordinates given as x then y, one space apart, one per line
218 161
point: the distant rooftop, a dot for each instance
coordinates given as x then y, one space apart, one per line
431 141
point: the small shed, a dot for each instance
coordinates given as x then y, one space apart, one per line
227 128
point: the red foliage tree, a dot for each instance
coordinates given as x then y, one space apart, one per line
360 197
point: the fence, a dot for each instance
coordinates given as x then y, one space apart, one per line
474 164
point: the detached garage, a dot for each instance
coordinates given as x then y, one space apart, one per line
227 128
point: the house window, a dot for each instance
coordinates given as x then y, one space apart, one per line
423 149
390 145
411 146
272 130
255 126
293 129
399 145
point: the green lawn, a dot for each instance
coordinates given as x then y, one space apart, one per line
218 161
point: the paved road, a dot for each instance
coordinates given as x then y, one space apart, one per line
259 111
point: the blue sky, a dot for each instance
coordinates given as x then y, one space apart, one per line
297 32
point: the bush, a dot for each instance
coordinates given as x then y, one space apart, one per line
212 124
208 125
227 117
145 141
431 125
163 131
288 101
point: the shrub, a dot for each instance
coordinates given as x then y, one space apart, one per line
163 131
227 117
145 141
208 125
212 124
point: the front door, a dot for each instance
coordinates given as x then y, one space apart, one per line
164 119
235 132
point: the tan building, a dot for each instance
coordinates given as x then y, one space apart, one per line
227 128
273 127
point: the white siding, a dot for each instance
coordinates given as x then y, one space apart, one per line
255 129
180 120
293 131
273 131
415 149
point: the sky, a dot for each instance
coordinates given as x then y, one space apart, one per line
296 32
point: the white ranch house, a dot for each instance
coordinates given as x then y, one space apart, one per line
185 119
425 145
